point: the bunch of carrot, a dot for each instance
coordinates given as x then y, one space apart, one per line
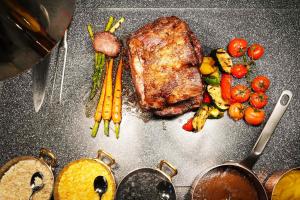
110 104
100 57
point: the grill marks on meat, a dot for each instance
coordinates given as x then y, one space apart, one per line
164 57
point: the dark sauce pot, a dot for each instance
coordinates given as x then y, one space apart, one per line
145 184
234 180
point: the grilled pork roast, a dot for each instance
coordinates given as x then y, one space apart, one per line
164 57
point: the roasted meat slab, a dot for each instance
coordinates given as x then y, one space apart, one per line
164 57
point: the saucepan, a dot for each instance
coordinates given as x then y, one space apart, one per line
29 29
236 180
149 184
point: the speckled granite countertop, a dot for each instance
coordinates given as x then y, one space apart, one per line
65 129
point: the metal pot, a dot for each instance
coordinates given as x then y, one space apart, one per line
273 180
29 29
244 168
144 183
46 158
103 160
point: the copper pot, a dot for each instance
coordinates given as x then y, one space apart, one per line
273 180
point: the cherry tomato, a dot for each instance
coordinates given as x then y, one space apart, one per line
254 116
256 51
258 99
226 86
240 93
239 70
260 84
207 98
236 111
237 47
189 125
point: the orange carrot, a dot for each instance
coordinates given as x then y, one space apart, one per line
106 111
98 113
117 101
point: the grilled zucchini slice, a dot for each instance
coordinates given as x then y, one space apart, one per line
200 117
224 59
215 93
214 113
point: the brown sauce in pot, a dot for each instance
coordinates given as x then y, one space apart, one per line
227 184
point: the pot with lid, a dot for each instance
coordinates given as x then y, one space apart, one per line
18 175
77 179
148 184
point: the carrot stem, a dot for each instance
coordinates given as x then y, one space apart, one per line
117 130
95 129
106 127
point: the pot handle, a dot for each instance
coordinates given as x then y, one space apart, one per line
102 154
48 156
173 169
280 108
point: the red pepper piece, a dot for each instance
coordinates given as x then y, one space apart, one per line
226 86
189 125
207 98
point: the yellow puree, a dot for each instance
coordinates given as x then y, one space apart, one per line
76 181
288 187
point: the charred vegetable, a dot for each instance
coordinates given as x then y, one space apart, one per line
224 59
200 117
215 93
213 79
214 113
207 67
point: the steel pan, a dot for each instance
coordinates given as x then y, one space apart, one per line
29 30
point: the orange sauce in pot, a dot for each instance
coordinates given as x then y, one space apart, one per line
288 187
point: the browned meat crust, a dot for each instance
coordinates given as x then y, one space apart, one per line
164 57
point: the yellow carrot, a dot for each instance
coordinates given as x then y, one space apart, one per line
106 111
98 113
117 101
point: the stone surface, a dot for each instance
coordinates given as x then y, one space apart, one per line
65 129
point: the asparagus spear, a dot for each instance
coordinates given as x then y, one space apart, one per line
100 57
